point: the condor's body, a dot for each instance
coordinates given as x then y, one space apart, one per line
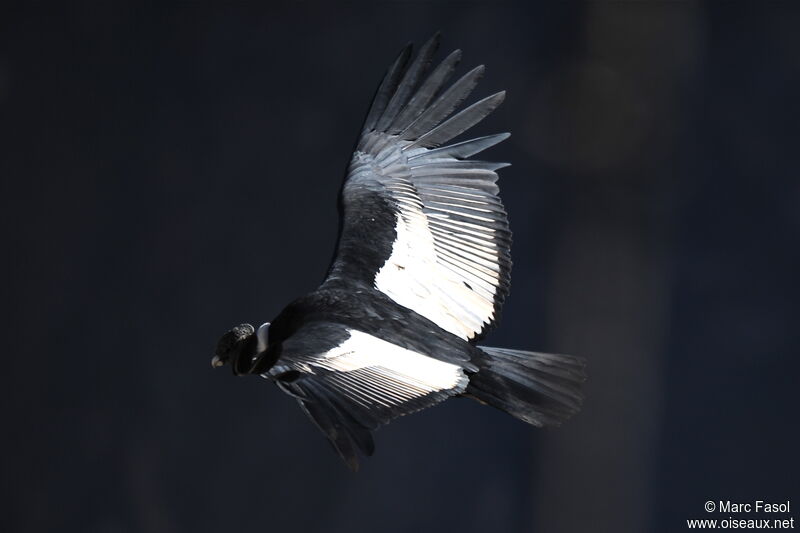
421 270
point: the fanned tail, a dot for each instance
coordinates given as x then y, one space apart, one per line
538 388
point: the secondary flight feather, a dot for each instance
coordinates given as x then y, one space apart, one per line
421 270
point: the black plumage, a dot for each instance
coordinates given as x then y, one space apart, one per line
421 270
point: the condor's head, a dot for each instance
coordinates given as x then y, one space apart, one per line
240 347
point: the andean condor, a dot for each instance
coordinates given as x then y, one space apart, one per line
421 269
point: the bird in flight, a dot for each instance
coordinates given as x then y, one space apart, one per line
421 269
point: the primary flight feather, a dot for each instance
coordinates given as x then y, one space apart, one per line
422 267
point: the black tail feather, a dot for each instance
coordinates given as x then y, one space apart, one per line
537 388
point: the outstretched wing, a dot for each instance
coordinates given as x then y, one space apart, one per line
359 383
422 222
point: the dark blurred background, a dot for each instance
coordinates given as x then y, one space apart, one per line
170 172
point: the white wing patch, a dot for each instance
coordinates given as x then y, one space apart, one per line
444 263
371 370
415 278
